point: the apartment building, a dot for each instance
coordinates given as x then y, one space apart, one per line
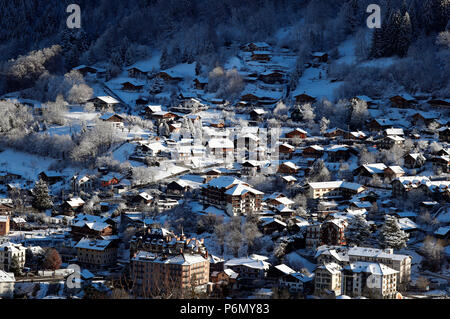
9 252
328 279
372 280
345 256
333 189
96 253
156 274
398 262
4 225
231 195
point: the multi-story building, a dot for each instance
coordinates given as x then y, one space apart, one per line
232 195
328 279
95 253
344 256
333 189
9 252
332 232
159 240
373 280
254 267
7 281
312 236
398 262
4 225
157 274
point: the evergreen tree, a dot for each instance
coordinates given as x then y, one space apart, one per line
358 231
391 236
15 266
404 36
435 15
42 199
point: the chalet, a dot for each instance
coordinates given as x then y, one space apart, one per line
320 57
379 124
442 163
394 132
200 85
141 101
152 109
338 153
297 282
231 195
314 151
151 149
304 98
163 116
288 168
393 172
50 177
108 180
277 199
272 77
73 204
363 98
332 232
391 140
271 225
143 198
178 188
250 168
443 233
249 268
444 134
297 134
257 115
405 101
335 132
217 101
84 69
370 170
221 147
132 86
250 98
255 46
425 118
289 180
286 151
92 226
165 76
414 160
113 118
137 73
261 56
83 183
189 105
7 177
104 102
438 103
355 135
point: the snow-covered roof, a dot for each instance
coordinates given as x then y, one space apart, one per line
108 99
220 143
6 276
285 269
372 268
93 244
249 262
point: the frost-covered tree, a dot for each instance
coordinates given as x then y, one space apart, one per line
391 236
319 172
358 232
41 197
